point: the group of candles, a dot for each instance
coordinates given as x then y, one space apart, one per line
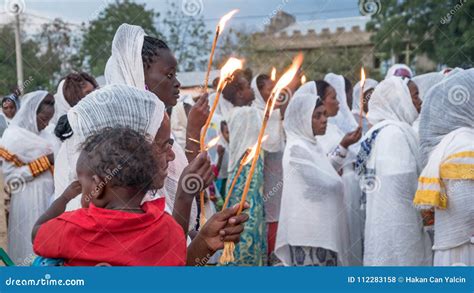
252 154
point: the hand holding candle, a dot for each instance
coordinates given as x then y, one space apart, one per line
226 72
287 77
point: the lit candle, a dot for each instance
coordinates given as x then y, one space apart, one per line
226 72
246 158
303 79
273 74
287 77
219 29
362 82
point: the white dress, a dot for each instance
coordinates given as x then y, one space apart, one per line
454 226
394 234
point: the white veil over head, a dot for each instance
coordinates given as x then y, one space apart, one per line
125 65
391 100
344 119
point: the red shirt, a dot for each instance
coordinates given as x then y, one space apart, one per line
95 236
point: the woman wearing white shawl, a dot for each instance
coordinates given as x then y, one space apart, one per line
27 170
369 87
400 70
389 163
126 66
273 154
447 181
342 153
244 127
111 106
312 218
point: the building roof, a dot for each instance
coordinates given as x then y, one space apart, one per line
331 24
196 78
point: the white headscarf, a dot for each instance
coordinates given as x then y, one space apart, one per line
224 107
391 100
300 117
368 85
312 198
22 137
392 71
425 81
275 141
61 106
26 117
344 119
447 106
244 127
117 105
110 106
125 65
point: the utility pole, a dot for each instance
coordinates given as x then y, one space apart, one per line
19 58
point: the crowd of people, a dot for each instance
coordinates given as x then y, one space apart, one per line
112 175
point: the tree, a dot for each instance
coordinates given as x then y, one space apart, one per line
97 38
187 36
440 28
56 47
34 65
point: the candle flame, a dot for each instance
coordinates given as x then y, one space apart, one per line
226 18
303 79
213 142
227 70
273 74
285 79
362 77
251 152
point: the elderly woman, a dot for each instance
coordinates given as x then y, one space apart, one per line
312 228
446 183
148 63
389 163
27 168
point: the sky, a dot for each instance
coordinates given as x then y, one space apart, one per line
253 13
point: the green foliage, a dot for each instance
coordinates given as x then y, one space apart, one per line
440 28
188 38
97 39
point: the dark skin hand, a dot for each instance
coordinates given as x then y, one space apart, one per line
196 119
351 138
200 169
57 207
224 226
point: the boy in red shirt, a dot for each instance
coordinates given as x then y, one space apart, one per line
115 169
